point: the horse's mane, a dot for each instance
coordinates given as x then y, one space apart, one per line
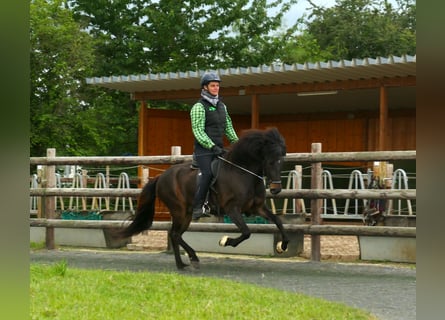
256 145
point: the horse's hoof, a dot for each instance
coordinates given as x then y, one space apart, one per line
279 247
181 266
195 264
223 241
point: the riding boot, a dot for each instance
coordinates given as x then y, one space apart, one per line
200 197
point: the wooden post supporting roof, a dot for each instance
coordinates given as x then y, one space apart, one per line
141 140
142 128
255 116
383 119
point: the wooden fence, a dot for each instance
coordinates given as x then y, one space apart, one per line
316 194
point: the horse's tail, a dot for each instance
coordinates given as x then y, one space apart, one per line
143 218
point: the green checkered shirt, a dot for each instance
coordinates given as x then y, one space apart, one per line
197 116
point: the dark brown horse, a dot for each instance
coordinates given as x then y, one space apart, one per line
239 188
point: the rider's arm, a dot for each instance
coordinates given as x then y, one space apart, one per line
230 131
197 117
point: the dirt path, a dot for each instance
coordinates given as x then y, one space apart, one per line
338 248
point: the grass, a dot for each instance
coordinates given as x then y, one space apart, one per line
37 245
60 292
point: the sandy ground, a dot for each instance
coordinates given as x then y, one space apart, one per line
344 248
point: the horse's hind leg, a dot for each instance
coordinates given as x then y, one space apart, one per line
175 235
191 253
175 246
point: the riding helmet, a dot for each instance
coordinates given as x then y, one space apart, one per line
209 77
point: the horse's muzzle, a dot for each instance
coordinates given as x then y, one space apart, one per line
275 187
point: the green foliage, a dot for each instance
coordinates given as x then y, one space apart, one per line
169 105
167 36
364 28
65 113
37 245
61 57
304 48
105 294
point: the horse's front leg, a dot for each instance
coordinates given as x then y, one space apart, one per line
281 245
242 226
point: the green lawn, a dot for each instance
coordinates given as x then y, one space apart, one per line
58 291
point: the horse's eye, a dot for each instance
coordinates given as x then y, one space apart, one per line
275 162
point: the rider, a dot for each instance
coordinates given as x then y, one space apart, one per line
210 122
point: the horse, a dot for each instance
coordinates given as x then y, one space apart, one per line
239 188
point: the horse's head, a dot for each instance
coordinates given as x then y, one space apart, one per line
272 171
262 152
273 152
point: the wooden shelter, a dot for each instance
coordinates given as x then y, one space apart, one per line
349 105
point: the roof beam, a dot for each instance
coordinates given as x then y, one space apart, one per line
282 88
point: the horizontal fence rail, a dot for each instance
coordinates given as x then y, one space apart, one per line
174 159
127 160
405 232
308 194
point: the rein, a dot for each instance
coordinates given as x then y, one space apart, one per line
239 167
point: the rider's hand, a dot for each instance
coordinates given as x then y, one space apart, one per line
217 150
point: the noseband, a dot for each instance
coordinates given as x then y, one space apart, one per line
275 185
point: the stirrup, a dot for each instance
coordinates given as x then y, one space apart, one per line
202 212
206 208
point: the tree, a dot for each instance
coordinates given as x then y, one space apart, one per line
303 48
362 28
60 57
65 113
137 36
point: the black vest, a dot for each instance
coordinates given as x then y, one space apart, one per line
215 123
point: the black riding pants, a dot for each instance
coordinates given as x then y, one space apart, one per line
204 159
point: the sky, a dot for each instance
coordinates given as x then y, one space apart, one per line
301 7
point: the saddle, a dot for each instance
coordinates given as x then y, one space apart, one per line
215 165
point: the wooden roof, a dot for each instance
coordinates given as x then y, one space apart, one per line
278 88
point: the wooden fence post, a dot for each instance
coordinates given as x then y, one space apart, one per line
145 175
50 202
298 203
85 185
175 150
316 204
40 178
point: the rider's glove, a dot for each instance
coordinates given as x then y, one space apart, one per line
217 150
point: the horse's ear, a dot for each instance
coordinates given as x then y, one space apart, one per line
278 138
273 132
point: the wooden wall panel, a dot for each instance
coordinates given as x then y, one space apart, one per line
168 128
336 131
401 131
373 134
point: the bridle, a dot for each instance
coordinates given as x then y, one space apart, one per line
239 167
275 184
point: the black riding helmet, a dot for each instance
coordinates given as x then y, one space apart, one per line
209 77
